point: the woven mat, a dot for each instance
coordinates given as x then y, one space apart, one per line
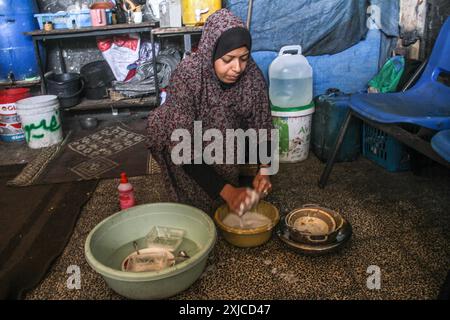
85 155
34 232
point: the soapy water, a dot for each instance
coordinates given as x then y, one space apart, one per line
250 220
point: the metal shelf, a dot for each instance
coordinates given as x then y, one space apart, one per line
91 31
9 84
186 32
168 32
61 34
87 105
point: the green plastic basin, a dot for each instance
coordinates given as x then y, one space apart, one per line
111 241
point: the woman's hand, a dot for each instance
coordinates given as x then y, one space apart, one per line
236 198
262 184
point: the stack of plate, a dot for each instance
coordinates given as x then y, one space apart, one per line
314 230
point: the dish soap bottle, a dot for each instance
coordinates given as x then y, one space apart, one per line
126 192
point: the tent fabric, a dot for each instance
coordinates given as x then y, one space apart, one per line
320 26
348 71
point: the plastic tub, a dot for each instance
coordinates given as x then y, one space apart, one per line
40 121
67 86
248 237
294 125
98 77
10 125
110 242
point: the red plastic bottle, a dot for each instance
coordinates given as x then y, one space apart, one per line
126 192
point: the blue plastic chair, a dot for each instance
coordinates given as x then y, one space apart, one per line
441 144
427 104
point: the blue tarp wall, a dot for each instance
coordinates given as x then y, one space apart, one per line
349 70
334 34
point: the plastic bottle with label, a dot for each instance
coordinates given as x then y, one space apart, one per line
170 13
126 192
163 96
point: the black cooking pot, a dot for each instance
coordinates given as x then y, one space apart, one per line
98 76
67 86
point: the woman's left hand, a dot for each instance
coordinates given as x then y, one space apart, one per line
262 184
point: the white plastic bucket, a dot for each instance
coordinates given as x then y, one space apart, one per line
294 133
40 121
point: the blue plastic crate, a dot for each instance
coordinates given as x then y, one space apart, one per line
384 150
64 20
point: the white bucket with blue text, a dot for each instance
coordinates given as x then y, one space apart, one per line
40 121
294 125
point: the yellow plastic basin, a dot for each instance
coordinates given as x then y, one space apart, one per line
246 238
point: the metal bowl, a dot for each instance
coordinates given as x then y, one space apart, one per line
246 238
342 238
88 123
330 222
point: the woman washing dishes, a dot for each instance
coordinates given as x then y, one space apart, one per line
221 86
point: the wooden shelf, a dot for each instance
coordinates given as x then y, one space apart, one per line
176 31
85 105
23 83
90 31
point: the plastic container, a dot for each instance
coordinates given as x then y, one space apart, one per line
195 12
247 238
165 238
18 60
98 76
384 150
69 20
10 125
148 260
121 229
331 110
163 96
98 17
67 86
294 133
291 79
40 120
126 192
170 13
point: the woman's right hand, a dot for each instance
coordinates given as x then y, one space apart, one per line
235 197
